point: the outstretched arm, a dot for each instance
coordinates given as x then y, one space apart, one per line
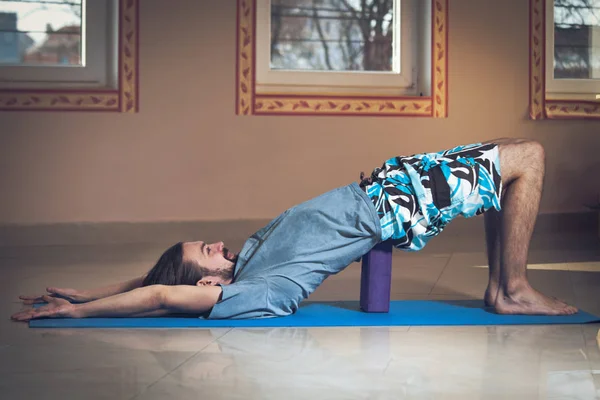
146 301
83 296
111 290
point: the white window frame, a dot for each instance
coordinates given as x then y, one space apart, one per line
99 68
575 89
403 82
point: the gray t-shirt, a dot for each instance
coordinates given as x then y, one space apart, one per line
284 262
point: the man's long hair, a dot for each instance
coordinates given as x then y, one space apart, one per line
172 269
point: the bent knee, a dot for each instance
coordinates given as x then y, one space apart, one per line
519 155
534 152
523 149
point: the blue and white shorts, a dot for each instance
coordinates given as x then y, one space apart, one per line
417 196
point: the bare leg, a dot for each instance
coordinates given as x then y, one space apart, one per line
492 238
522 168
492 219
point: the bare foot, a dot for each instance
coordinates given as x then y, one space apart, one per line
528 301
491 293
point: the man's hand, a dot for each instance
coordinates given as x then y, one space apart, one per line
56 308
72 295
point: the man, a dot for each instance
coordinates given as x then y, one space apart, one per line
408 200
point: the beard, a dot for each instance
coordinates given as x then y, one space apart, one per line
229 256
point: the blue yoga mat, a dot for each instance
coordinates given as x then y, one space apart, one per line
402 313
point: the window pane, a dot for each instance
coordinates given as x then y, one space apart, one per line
577 39
340 35
40 32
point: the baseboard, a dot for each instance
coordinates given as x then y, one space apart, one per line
123 232
231 231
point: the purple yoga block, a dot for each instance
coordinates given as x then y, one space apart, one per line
376 278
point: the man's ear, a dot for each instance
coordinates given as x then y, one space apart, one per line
205 282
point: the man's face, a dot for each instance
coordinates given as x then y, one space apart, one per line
214 257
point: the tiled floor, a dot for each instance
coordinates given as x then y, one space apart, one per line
502 362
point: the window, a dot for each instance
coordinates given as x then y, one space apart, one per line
564 59
573 37
59 36
347 44
69 55
367 57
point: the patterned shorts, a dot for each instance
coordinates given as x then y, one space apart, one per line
417 196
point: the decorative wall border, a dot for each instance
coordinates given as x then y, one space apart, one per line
248 102
541 107
123 99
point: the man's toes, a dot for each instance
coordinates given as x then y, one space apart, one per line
568 310
571 310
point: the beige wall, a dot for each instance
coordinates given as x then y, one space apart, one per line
186 156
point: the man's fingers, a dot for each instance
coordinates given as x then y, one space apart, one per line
60 293
28 300
31 313
22 315
39 314
47 298
54 292
26 317
49 311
